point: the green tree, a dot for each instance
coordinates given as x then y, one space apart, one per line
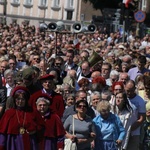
101 4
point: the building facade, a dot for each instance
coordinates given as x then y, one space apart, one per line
37 11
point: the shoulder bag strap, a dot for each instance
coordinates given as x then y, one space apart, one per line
73 125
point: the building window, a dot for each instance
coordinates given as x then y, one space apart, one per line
56 3
15 1
69 15
70 3
28 2
43 2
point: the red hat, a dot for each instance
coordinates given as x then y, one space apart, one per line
47 77
20 88
100 80
46 96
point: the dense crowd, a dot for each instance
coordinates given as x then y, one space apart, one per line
85 90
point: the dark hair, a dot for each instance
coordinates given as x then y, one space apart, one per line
132 82
127 106
17 94
142 59
81 101
71 52
85 51
12 56
58 58
108 64
146 78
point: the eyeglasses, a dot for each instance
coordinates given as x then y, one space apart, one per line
82 106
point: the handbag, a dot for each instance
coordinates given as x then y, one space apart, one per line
69 145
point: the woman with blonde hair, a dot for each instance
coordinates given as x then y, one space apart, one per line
109 129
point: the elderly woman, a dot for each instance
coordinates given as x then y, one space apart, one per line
19 126
69 100
94 100
109 129
83 127
54 131
10 80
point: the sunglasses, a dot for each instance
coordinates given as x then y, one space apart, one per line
82 106
36 58
57 64
20 60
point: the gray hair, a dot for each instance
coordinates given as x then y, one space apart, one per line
124 64
42 99
93 94
9 72
108 93
114 72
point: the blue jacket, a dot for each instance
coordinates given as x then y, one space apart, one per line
109 129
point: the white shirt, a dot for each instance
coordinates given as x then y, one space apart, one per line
8 89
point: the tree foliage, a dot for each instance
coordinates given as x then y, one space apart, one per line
101 4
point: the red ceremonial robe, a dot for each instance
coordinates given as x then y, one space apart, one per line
10 125
56 105
53 130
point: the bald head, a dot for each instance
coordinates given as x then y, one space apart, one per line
72 73
123 77
95 74
130 89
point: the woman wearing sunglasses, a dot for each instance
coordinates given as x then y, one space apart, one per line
84 130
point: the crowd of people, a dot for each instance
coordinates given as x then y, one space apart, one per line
90 88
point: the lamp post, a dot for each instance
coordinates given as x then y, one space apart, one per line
138 24
4 12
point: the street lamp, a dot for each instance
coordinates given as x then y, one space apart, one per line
4 12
